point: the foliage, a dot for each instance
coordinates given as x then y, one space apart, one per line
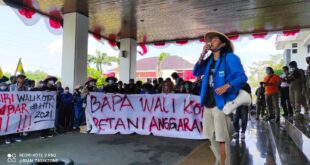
257 70
94 73
160 60
101 59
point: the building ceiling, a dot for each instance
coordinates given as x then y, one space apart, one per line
170 20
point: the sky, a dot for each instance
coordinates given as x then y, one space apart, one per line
42 50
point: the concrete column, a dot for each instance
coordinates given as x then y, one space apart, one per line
128 58
74 50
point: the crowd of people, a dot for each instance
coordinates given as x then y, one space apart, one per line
291 89
70 107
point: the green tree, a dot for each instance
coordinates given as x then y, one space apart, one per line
36 75
160 60
257 70
101 59
94 73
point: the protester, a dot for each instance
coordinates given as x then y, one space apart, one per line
49 86
272 83
5 88
242 113
296 79
167 87
78 107
178 81
17 87
187 87
220 84
147 88
285 93
66 109
112 86
90 86
260 101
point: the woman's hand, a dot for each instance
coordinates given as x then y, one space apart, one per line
205 49
223 89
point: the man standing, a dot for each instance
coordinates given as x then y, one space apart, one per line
49 86
18 87
297 87
66 108
260 101
272 83
178 81
90 86
285 94
224 76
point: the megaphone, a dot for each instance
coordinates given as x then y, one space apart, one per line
243 98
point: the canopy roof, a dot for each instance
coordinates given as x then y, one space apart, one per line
151 21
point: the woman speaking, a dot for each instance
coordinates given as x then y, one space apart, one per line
223 77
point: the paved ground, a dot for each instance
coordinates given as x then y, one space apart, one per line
87 149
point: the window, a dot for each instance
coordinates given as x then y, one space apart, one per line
294 51
294 45
308 50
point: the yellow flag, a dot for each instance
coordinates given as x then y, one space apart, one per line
1 73
20 68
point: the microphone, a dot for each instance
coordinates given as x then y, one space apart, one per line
208 53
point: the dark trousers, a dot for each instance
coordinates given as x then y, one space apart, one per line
285 101
241 113
66 116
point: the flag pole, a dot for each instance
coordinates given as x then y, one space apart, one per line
16 69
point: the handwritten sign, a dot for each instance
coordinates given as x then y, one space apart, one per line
173 115
26 111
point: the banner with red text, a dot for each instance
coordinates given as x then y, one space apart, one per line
172 115
26 111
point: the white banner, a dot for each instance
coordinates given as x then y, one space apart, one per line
173 115
26 111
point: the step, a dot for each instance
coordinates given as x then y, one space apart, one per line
284 146
299 132
256 148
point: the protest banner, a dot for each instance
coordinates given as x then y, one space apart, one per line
26 111
172 115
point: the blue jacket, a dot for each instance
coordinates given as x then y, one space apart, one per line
66 99
230 69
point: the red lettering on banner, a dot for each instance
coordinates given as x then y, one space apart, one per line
94 104
181 125
146 104
116 102
186 106
13 109
195 126
136 125
110 121
153 124
105 102
2 110
7 124
24 125
158 105
200 110
186 121
173 105
24 108
164 108
126 105
20 120
143 122
6 98
119 123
